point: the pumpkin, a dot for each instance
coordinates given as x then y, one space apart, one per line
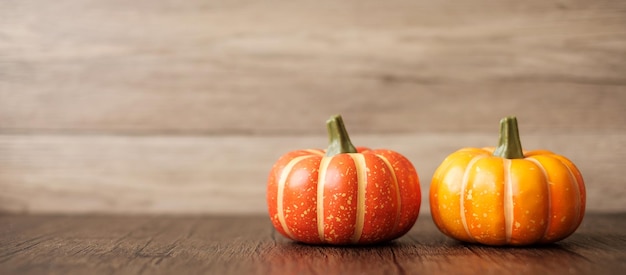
343 195
507 196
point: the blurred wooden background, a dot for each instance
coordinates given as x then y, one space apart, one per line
183 106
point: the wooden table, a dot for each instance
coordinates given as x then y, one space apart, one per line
75 244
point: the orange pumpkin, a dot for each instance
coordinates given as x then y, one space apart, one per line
506 196
343 195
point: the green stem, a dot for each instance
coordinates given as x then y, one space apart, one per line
509 145
338 139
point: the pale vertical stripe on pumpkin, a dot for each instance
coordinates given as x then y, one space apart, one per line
321 181
464 182
284 175
315 151
545 174
508 199
361 171
398 197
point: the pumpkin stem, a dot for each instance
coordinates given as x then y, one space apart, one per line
509 145
338 139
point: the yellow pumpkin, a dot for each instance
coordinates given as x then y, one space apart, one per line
507 196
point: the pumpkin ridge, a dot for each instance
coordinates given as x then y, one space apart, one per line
576 186
282 181
464 182
549 195
398 196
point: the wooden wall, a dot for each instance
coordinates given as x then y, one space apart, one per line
183 106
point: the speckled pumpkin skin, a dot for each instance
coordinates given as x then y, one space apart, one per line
367 197
480 198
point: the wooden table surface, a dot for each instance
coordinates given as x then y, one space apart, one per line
149 244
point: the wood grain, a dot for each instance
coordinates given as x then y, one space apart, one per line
174 174
248 244
298 110
168 107
277 67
